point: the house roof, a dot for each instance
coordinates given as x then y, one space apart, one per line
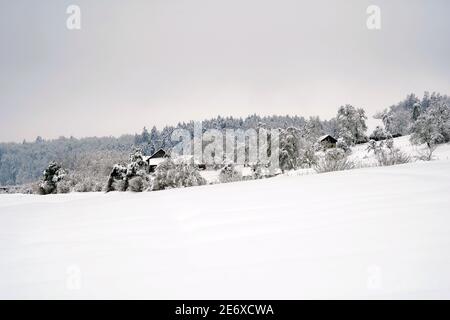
158 154
327 136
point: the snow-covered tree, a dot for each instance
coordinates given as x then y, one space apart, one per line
417 110
51 177
290 145
432 127
397 123
307 155
351 123
313 129
379 133
154 140
121 174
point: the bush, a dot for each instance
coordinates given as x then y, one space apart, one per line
427 153
333 160
386 153
308 157
52 176
37 189
379 134
135 172
392 157
84 186
119 185
170 175
229 174
341 144
98 187
136 184
63 186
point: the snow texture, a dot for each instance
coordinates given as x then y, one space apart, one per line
381 232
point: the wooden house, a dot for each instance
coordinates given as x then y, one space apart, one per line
327 141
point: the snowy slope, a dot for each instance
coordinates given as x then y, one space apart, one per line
362 158
365 233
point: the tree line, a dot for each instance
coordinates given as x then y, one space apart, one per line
90 160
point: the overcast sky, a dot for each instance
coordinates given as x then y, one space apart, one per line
157 62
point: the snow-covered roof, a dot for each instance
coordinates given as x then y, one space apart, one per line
159 154
156 161
326 136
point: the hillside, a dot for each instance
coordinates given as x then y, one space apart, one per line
379 232
361 157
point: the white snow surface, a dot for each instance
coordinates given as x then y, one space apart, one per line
381 232
362 158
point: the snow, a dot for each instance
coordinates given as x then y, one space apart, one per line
211 176
362 158
381 232
156 161
186 159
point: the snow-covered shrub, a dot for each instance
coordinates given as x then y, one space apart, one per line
386 153
29 188
229 174
165 176
170 175
121 174
258 172
427 153
84 185
341 144
118 185
63 186
98 187
307 155
53 175
379 134
136 184
117 177
393 157
333 160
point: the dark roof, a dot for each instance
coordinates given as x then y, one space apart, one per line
327 137
158 154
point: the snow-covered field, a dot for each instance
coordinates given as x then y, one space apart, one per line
381 232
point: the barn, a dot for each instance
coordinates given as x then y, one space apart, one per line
155 159
327 141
